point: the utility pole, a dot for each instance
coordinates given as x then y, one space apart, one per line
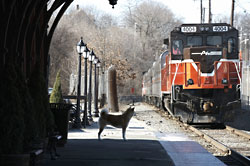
209 13
201 11
203 14
232 13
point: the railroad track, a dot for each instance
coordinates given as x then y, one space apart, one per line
234 144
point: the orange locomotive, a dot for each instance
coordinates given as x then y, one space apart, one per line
200 74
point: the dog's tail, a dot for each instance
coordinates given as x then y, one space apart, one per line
104 112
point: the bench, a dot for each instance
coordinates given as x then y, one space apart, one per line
53 139
35 156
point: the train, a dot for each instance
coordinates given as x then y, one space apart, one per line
198 77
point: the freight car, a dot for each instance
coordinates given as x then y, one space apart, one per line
198 78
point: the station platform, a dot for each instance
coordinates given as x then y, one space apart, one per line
144 146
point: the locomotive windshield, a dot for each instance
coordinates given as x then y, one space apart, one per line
214 40
194 41
231 45
177 47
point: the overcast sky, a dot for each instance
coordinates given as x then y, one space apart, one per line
189 10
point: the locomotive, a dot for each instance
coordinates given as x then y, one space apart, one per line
198 77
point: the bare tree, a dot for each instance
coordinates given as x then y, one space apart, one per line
61 57
99 31
152 22
132 49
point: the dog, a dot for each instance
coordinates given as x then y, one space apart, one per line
119 121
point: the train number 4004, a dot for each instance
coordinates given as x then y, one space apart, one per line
220 28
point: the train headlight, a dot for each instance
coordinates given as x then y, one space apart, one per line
224 81
190 81
202 29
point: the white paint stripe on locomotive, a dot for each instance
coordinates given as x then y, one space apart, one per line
192 62
196 67
229 60
188 60
165 92
175 61
207 74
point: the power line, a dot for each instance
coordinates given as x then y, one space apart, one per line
241 6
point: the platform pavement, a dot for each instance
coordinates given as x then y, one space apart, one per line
144 146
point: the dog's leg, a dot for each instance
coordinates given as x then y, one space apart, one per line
124 133
100 132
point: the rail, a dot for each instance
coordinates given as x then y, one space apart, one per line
238 132
217 144
237 156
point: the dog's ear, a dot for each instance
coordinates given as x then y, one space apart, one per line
130 108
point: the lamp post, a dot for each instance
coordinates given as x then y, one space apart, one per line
98 69
97 65
86 56
80 48
91 58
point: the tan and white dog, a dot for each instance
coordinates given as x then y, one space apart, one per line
119 121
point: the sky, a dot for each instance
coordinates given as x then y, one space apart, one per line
188 10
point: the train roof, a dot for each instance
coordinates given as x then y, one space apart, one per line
209 24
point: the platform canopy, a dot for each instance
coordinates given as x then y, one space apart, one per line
25 34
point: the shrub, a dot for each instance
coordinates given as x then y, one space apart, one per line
56 95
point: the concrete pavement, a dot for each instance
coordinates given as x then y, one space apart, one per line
144 146
83 148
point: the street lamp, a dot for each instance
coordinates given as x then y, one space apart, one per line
97 65
91 58
85 56
113 3
80 48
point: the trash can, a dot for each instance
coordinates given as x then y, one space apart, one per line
61 115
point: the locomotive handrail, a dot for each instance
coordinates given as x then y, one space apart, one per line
215 72
228 66
172 87
237 70
198 73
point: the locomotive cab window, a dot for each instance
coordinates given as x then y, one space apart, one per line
177 47
194 41
231 45
214 40
163 59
